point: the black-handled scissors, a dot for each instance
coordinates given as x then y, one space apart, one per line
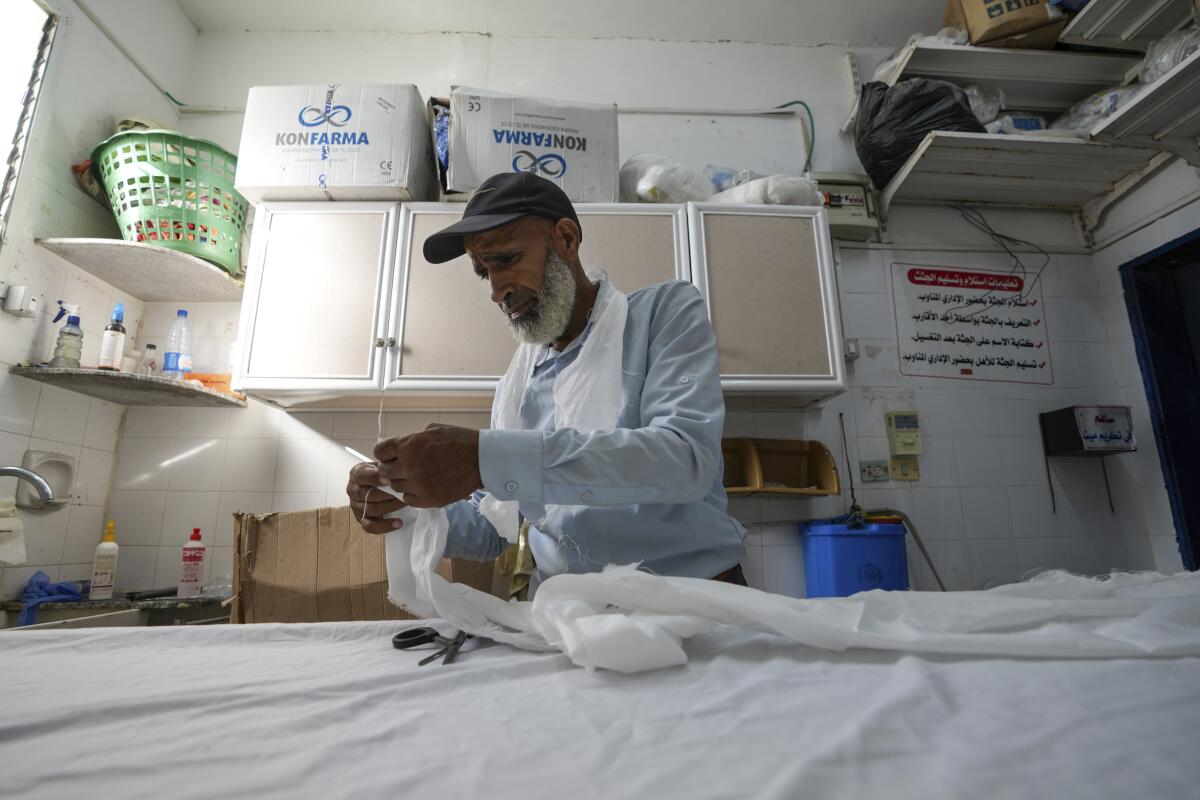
415 637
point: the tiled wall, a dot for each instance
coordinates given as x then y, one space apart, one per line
982 504
89 85
182 468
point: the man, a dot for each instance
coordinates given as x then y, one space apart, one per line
647 490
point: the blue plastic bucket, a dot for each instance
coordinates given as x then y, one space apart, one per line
840 561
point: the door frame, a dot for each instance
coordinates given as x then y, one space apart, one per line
1184 505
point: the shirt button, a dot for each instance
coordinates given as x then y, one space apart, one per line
510 487
586 497
684 379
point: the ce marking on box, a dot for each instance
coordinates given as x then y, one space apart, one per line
385 166
473 104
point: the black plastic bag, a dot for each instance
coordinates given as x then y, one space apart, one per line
894 120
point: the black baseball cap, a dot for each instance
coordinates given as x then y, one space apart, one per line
500 200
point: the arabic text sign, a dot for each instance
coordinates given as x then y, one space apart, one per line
1105 428
971 324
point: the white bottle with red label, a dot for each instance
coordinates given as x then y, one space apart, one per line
191 569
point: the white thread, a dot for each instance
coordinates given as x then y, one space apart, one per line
378 437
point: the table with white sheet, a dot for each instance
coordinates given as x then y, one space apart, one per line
332 709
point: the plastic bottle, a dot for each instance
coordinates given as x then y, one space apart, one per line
69 346
177 358
148 366
104 568
112 343
191 568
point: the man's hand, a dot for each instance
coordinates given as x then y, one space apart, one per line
434 467
368 502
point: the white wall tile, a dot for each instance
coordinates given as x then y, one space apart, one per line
139 517
938 514
404 423
203 423
144 464
151 421
861 271
1016 417
235 502
18 403
775 535
12 450
738 425
303 465
306 425
135 569
93 477
1084 556
187 510
61 415
103 425
878 364
783 570
1023 461
75 572
220 565
84 530
1167 558
1141 553
779 424
257 420
1095 363
986 512
45 534
953 562
197 465
1066 471
297 501
1048 553
991 558
357 425
871 404
752 566
978 460
938 462
1156 508
476 420
867 316
745 509
167 564
1032 516
250 465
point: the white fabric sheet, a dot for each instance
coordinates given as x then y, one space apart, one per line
332 710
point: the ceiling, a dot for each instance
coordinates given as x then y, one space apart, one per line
787 22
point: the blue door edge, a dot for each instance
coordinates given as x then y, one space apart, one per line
1183 535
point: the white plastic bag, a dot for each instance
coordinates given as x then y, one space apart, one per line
1087 113
727 177
651 178
986 102
1165 54
787 190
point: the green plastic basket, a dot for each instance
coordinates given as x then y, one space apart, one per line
174 191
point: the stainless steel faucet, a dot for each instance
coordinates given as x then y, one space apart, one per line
45 493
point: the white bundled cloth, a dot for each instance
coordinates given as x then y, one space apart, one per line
630 621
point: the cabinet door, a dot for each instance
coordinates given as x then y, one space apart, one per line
313 318
766 273
451 334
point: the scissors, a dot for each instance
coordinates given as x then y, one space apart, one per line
415 637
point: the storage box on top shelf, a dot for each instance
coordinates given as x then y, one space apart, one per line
572 144
336 142
1026 24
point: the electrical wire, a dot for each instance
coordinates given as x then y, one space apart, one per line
1006 243
811 133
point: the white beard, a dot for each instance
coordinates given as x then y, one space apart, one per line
549 319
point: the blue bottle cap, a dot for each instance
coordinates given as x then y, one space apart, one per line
181 313
73 320
118 314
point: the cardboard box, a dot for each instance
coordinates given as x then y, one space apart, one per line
319 566
336 142
572 144
1006 23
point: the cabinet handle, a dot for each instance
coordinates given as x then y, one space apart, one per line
391 341
379 342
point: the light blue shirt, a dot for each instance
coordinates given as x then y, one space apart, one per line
650 490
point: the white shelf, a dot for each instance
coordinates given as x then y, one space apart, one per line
149 272
1165 116
1033 80
1126 24
127 389
1019 171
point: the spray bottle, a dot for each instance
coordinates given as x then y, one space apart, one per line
69 347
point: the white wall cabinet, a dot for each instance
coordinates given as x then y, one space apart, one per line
314 312
767 275
340 301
